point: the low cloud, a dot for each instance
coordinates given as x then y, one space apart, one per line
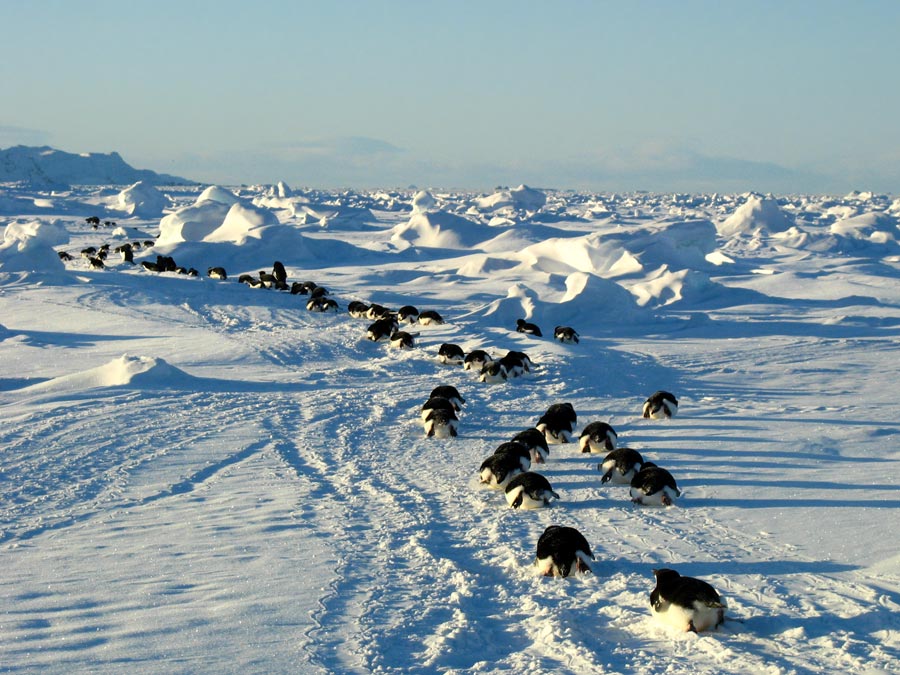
12 135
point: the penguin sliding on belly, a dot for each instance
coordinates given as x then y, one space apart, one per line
685 603
529 490
620 466
660 405
562 551
597 437
653 486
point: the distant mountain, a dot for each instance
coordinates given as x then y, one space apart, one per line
46 166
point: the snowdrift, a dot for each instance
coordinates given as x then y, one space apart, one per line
28 247
125 371
757 215
141 200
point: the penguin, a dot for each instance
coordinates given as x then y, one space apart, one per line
246 279
429 316
408 314
685 603
88 252
96 263
523 358
476 360
298 288
216 273
660 405
562 551
534 440
127 255
517 449
451 393
497 470
523 326
149 243
620 466
401 340
166 263
597 437
377 311
136 245
279 272
451 354
565 334
322 304
102 254
193 272
558 423
381 330
356 309
529 490
514 364
653 486
441 424
65 257
438 402
493 373
268 280
317 291
180 270
150 266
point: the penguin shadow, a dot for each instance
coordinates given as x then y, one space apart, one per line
42 338
765 568
753 456
713 502
795 484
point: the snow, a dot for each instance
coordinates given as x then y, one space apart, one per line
199 476
141 200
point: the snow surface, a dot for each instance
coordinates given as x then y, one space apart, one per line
197 476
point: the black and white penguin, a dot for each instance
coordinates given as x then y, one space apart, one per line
522 326
193 272
451 354
534 440
476 360
89 252
620 466
356 309
529 490
149 243
441 424
65 257
279 272
246 279
429 317
377 311
268 280
561 551
523 358
653 486
96 263
317 291
497 470
514 364
381 330
685 603
437 402
451 393
520 450
150 266
597 437
565 334
407 314
400 339
493 373
558 423
166 263
216 273
322 304
660 405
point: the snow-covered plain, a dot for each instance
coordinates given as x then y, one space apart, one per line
199 476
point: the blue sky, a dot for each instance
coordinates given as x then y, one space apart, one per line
731 96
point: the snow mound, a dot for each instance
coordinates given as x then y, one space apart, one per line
423 202
214 193
670 287
590 299
875 227
192 223
522 198
757 214
440 230
28 247
141 371
590 254
141 200
242 223
678 244
520 303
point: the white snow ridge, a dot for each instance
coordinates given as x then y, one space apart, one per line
218 473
